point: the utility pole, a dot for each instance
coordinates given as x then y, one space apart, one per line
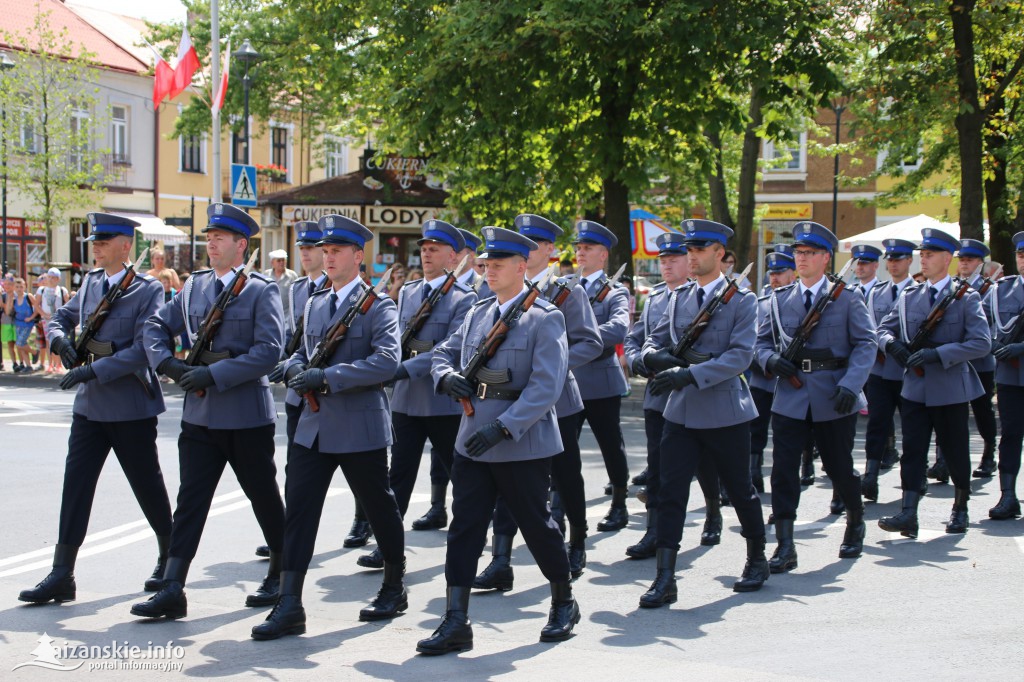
218 195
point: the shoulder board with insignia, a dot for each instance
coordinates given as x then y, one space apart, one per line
482 301
411 281
687 285
321 292
1007 277
659 285
764 298
201 272
881 284
260 276
301 280
547 306
744 292
785 288
462 286
911 287
94 272
145 277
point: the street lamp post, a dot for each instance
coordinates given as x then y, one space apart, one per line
5 65
838 106
247 55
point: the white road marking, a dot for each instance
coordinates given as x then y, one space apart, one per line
1020 543
45 424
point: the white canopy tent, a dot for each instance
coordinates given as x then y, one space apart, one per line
154 229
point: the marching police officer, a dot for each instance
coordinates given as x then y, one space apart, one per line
865 269
886 379
229 414
350 429
116 404
709 408
418 412
781 270
505 447
584 343
1007 305
471 278
971 257
673 266
831 371
936 398
601 381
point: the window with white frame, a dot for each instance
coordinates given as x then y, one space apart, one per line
29 141
910 162
191 154
784 156
78 149
119 139
336 155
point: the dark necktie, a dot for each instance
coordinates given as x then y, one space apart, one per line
864 291
426 291
700 297
106 286
497 314
334 304
932 293
218 287
312 287
807 300
895 292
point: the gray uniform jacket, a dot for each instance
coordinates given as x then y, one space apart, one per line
757 376
654 309
416 396
603 378
1006 303
961 335
117 393
536 353
584 341
252 332
298 294
987 362
844 331
354 414
880 304
718 397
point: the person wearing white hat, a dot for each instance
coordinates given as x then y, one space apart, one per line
280 273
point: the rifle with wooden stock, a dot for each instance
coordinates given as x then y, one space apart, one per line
202 350
475 369
563 289
324 351
683 349
935 316
293 343
607 286
87 345
811 320
412 346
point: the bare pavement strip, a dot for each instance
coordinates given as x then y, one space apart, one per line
941 607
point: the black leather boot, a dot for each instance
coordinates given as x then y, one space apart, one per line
904 523
784 558
263 551
392 598
59 584
836 506
987 467
288 616
1008 506
939 471
360 532
958 520
617 517
577 550
712 533
891 455
663 589
724 496
156 581
372 560
755 571
853 538
756 476
557 512
641 478
170 601
563 615
437 516
869 483
270 589
498 574
807 467
455 633
647 547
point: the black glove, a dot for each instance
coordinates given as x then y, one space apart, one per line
780 366
276 375
196 378
79 375
293 371
843 400
173 368
1009 351
66 350
485 438
672 379
456 385
639 369
308 380
402 373
660 360
923 357
898 351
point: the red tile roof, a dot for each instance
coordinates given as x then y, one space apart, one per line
19 18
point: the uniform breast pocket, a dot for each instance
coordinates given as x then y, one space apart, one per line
117 328
238 323
513 353
833 331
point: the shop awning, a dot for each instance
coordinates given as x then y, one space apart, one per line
153 229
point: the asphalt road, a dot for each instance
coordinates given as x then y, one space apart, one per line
941 607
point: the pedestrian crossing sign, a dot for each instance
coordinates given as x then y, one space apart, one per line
243 185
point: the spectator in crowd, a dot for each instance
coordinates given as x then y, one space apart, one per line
21 307
184 342
167 278
49 297
159 260
729 267
6 321
991 268
284 277
565 268
379 268
415 273
398 277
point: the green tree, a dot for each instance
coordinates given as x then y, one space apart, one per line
53 124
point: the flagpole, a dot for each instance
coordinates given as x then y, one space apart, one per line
215 78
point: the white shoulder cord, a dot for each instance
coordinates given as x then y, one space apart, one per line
186 298
1000 327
